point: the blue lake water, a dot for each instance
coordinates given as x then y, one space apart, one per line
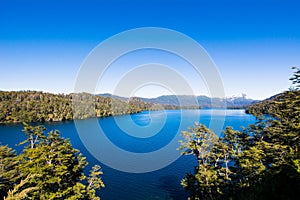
130 147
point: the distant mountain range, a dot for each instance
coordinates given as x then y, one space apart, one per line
190 100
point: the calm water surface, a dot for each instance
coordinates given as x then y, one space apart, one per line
160 184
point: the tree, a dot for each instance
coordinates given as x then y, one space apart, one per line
94 182
296 78
48 168
18 193
199 142
8 172
216 175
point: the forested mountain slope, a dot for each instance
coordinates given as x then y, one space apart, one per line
33 106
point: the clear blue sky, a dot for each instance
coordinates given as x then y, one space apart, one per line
253 42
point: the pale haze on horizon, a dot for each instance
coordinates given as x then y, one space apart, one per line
253 44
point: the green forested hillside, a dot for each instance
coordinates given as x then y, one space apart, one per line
33 106
281 102
269 105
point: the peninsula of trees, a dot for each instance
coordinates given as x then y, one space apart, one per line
33 106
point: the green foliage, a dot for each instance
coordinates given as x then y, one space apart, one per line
260 162
296 78
48 168
18 193
277 104
33 106
94 182
8 169
215 174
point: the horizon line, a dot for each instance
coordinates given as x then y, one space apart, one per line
146 97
